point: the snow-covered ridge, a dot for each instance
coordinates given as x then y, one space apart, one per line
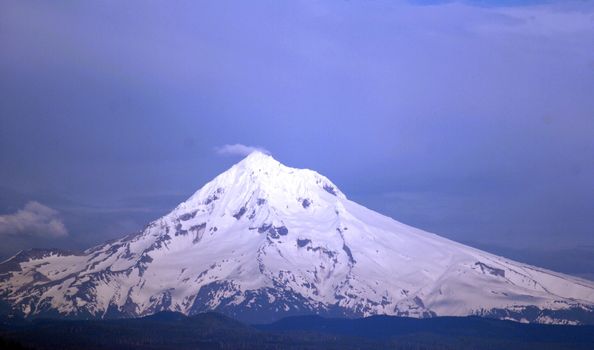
263 240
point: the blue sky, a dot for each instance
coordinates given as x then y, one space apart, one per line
471 119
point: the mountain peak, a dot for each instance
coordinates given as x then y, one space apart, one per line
258 179
259 160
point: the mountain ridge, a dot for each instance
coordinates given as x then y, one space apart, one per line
216 331
263 240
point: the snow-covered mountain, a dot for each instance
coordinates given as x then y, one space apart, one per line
263 241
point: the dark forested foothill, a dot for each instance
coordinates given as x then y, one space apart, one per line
169 330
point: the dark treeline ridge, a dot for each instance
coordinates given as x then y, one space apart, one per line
214 331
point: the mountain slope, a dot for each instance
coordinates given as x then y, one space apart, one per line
262 241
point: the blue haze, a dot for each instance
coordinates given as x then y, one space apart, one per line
471 119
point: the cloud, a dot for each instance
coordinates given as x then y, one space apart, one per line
34 219
540 21
239 150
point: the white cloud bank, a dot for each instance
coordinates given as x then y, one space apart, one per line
34 219
239 150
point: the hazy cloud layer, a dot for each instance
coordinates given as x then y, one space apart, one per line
238 150
35 219
474 122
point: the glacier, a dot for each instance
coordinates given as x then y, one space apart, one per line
262 241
